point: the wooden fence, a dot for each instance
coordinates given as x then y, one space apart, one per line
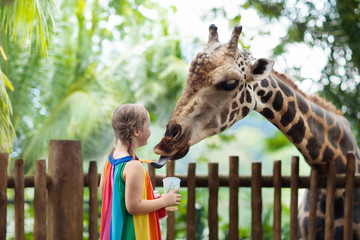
58 201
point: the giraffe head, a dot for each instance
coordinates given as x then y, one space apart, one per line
218 92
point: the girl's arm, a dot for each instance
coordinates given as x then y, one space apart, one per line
133 176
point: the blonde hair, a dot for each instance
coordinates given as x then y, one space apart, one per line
126 118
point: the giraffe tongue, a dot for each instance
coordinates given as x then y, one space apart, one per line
161 162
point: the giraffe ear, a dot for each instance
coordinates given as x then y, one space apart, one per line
261 68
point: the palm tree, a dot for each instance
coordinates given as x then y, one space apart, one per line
90 67
19 20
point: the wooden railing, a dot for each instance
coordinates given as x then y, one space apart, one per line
64 181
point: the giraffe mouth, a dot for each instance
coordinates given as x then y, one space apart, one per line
174 145
164 159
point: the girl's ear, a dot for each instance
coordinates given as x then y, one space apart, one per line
136 132
261 68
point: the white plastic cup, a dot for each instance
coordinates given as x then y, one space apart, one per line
171 183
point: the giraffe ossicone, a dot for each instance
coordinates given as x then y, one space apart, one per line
226 83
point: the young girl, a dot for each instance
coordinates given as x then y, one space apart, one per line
129 209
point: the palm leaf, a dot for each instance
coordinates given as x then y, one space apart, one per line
21 18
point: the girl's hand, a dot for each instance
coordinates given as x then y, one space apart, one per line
172 198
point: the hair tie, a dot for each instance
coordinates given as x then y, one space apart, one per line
129 144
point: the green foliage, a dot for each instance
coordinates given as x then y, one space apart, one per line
331 25
276 142
97 58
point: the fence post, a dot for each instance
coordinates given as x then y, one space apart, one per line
170 232
330 201
3 198
256 202
19 199
234 198
191 217
93 203
294 198
40 201
65 193
349 196
213 200
277 200
313 201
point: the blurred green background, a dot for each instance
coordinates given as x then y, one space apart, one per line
65 65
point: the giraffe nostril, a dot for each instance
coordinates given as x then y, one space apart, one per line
173 131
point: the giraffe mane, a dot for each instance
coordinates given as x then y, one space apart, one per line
313 98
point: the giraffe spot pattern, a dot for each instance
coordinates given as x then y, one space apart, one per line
266 98
317 110
261 93
224 115
223 128
286 89
278 101
345 144
245 111
339 210
322 200
339 165
255 86
297 131
267 113
302 104
320 223
264 83
234 105
313 146
315 142
339 232
357 206
233 114
248 96
334 135
242 97
288 117
328 155
329 119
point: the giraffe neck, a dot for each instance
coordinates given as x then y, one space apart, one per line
320 135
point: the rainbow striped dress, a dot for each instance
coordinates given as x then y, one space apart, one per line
116 221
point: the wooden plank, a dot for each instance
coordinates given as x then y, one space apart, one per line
170 232
256 202
277 200
191 191
66 191
349 196
313 202
213 200
330 202
40 200
19 199
294 198
3 197
93 202
234 198
267 181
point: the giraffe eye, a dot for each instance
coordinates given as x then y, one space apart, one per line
228 85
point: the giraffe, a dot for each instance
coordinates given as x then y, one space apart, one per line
226 83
